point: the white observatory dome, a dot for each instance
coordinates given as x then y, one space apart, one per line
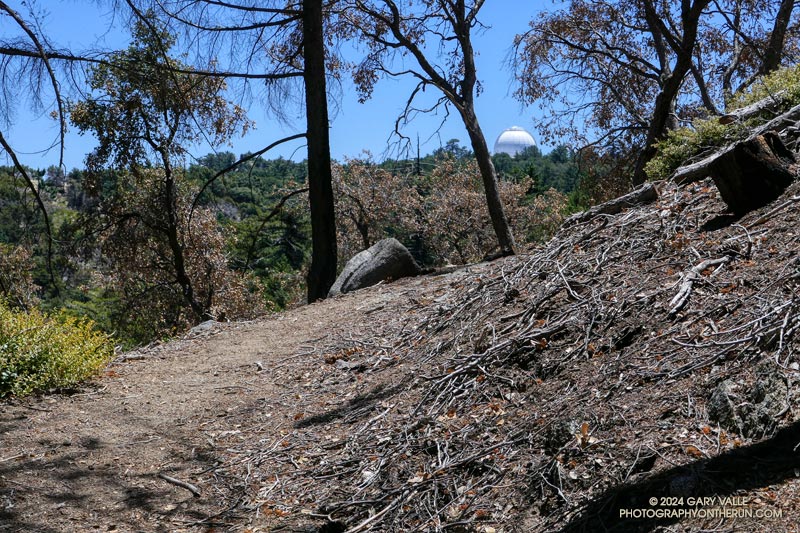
513 141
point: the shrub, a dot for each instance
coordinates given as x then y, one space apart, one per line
455 220
681 144
39 352
16 276
785 81
442 216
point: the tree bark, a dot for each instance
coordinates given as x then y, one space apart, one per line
701 169
179 262
645 194
489 176
172 230
322 273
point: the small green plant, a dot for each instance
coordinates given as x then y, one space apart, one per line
40 351
681 144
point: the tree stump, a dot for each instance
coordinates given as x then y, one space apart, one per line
754 172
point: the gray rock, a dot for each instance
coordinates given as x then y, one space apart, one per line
769 399
559 434
722 407
203 328
347 366
753 413
386 259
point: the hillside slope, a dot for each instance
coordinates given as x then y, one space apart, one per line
649 354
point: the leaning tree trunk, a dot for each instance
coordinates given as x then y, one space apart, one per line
489 176
664 108
322 273
777 38
660 124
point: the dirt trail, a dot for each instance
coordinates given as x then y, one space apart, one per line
92 460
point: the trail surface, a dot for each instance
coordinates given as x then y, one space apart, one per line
649 355
98 459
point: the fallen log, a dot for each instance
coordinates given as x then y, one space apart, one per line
645 194
770 103
701 169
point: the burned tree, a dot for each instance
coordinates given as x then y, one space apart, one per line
276 43
642 68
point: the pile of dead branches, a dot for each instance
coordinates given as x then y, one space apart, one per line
539 379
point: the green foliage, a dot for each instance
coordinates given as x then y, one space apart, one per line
144 108
39 352
784 83
681 144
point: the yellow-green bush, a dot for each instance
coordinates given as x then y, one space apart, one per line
39 351
681 144
785 81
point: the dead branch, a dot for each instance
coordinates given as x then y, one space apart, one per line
645 194
687 282
767 104
768 216
188 486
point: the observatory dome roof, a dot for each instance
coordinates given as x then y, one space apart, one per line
513 141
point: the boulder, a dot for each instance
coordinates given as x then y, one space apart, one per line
386 259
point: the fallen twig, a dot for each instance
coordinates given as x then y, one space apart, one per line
692 275
188 486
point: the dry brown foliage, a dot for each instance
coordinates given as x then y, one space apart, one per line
141 266
16 276
446 210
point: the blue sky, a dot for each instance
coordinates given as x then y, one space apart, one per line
355 127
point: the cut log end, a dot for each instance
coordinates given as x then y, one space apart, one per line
754 173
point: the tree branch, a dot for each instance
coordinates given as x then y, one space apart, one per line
22 170
275 210
237 163
54 82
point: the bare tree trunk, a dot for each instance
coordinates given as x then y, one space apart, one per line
774 52
483 157
322 273
173 239
659 125
664 108
489 176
